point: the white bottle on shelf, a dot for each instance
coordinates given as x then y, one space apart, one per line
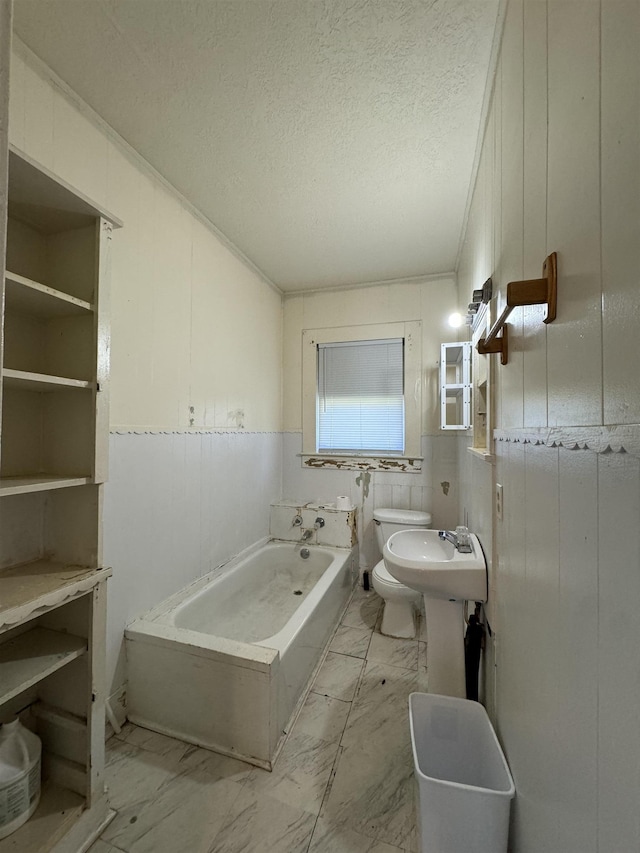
20 753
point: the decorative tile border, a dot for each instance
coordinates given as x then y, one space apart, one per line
144 430
599 439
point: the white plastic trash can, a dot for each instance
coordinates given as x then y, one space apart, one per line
464 785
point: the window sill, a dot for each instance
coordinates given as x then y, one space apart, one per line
345 462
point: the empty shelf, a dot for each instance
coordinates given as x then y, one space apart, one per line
42 585
39 483
30 297
41 381
57 811
28 658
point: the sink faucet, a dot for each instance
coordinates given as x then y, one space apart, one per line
460 539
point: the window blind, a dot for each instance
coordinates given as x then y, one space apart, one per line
360 405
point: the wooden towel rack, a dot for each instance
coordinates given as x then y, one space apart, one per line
534 291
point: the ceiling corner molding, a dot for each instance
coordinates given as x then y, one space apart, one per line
134 156
496 47
623 438
416 279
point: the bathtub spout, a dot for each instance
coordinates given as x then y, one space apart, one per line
307 534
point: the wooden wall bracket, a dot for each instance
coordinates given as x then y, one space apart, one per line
534 291
496 344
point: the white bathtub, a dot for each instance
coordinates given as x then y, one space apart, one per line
225 662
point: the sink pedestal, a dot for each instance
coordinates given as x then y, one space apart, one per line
447 573
445 646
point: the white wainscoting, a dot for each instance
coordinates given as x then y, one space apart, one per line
177 505
434 489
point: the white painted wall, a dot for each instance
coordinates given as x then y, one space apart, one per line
435 488
178 505
195 369
560 171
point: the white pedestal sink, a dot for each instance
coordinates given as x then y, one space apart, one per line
447 578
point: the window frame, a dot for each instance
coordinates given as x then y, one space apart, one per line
411 332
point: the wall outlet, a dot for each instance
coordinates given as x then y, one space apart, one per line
499 501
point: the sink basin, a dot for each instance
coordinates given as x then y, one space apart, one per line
422 561
446 578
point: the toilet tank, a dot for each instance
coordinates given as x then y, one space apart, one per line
388 521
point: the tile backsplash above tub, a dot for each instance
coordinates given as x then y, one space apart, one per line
338 531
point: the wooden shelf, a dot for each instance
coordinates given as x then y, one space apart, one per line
42 585
57 811
26 381
28 658
39 483
25 296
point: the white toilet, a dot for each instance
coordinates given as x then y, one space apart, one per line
400 602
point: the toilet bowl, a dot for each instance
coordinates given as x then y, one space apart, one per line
400 602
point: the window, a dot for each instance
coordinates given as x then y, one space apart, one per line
360 403
361 394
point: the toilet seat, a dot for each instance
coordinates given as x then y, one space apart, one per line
382 573
391 589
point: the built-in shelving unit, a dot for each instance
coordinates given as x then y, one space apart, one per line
54 374
481 390
455 385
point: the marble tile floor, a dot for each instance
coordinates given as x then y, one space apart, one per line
343 782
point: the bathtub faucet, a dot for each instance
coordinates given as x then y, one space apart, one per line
307 534
319 523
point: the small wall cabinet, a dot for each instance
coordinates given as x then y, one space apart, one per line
53 461
455 385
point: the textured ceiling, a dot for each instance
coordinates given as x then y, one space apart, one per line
332 141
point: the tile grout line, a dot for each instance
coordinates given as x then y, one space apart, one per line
327 790
340 750
223 822
325 653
